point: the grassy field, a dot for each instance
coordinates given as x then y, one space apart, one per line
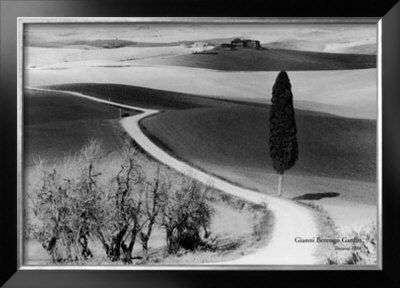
268 60
56 125
306 45
349 93
143 97
337 156
107 43
336 167
230 139
328 146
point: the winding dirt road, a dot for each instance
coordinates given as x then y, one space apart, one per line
291 219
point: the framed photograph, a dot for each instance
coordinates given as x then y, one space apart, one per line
217 143
200 144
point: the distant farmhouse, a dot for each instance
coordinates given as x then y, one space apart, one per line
241 43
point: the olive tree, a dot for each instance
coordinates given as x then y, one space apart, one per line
130 209
119 220
155 194
185 214
64 205
116 208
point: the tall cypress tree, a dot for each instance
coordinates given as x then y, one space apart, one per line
283 146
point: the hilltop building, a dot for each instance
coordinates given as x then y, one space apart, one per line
242 43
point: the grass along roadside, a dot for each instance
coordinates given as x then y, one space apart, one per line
338 247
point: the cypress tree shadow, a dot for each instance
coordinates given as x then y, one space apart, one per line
316 196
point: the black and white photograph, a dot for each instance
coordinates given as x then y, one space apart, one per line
194 143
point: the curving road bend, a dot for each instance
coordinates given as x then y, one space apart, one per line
291 219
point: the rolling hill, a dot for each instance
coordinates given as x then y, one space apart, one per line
142 97
341 47
336 155
329 146
230 140
229 132
58 125
268 60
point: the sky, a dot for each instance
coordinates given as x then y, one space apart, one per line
339 34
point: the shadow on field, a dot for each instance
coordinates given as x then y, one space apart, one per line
316 196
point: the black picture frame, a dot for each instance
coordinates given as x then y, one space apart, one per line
389 11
